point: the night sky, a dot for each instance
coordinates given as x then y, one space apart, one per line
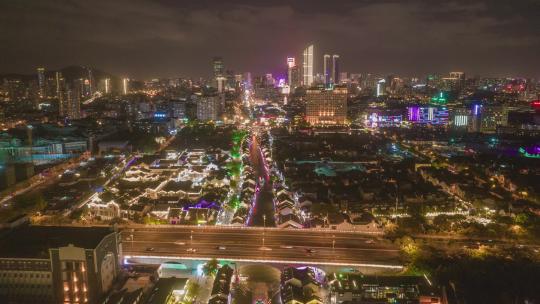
145 39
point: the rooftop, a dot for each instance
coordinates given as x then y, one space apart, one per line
35 241
164 287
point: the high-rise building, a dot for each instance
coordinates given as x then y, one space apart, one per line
460 117
209 108
59 84
455 81
492 117
269 80
327 70
307 66
326 106
381 87
295 77
291 64
107 85
218 67
41 82
73 103
335 69
344 77
91 82
220 80
125 85
60 93
58 264
178 109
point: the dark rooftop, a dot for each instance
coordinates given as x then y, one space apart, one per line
163 288
35 241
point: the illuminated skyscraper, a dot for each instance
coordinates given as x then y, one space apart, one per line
221 81
307 66
219 73
335 69
125 85
381 87
460 117
91 82
290 66
326 68
73 103
58 80
218 67
41 81
107 85
209 108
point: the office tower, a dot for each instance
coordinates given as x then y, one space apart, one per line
230 80
218 67
335 69
58 80
219 74
307 66
91 82
381 87
60 85
428 115
460 117
327 70
107 85
238 78
326 107
125 85
269 80
73 103
41 82
178 109
290 65
492 117
58 264
209 108
295 77
396 85
344 77
455 82
457 75
221 82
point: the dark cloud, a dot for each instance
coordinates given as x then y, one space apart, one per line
178 38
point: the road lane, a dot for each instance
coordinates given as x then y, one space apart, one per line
281 245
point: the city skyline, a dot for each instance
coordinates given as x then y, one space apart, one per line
258 152
162 39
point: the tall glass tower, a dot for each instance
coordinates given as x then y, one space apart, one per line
308 66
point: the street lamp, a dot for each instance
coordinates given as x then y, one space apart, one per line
397 200
132 230
333 242
264 229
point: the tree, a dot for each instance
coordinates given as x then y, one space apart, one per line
78 213
442 222
192 291
29 201
211 267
